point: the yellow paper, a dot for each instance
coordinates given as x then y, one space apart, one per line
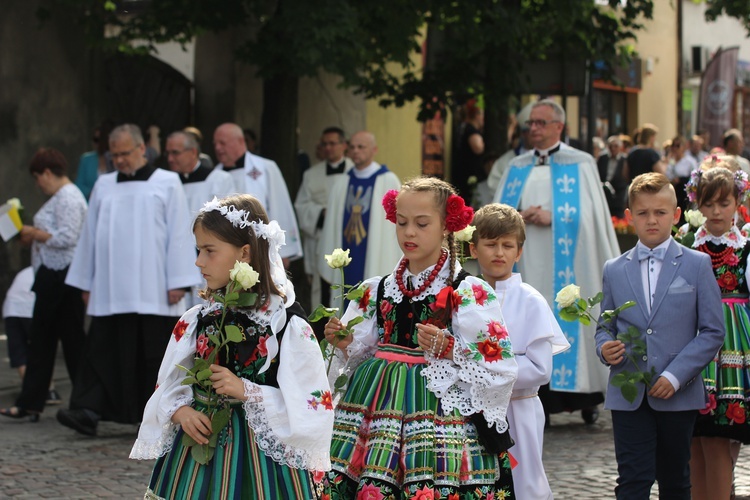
15 217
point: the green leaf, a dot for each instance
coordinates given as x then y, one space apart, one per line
189 381
340 382
582 304
566 315
247 299
204 374
623 337
200 364
355 294
214 339
188 441
688 239
354 322
596 299
634 332
202 453
607 316
220 420
629 392
584 320
626 305
231 297
619 380
234 334
321 312
212 440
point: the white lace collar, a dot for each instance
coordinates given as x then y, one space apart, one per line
391 288
262 317
732 238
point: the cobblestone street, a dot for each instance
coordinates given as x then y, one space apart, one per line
46 460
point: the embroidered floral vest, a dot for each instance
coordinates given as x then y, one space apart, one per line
729 266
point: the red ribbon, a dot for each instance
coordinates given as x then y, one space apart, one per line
443 298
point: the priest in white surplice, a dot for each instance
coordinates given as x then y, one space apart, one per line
311 202
355 219
261 178
569 237
135 260
201 183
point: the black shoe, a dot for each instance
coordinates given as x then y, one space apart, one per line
80 420
18 413
53 398
590 415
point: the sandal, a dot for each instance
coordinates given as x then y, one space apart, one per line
18 413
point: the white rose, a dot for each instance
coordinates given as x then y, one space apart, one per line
244 274
695 218
15 203
338 259
568 296
465 234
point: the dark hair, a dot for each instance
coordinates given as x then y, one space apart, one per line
716 181
250 133
335 130
496 220
48 159
442 191
218 225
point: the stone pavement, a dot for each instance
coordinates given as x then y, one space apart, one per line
46 460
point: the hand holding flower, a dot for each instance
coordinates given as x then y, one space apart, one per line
332 334
613 352
196 424
227 383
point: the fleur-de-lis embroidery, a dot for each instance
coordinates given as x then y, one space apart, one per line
566 183
562 375
512 186
567 275
565 242
566 211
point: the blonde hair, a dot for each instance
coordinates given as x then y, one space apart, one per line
650 183
720 161
497 219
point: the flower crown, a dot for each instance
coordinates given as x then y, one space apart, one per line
271 232
740 181
457 214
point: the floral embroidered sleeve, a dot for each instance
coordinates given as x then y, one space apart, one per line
293 423
157 431
481 375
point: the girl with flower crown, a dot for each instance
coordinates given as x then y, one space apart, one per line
431 368
723 425
256 422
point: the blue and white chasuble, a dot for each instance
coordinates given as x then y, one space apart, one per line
572 250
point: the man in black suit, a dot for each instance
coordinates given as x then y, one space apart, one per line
614 183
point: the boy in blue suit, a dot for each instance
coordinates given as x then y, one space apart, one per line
678 314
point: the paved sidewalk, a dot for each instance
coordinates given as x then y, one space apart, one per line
46 460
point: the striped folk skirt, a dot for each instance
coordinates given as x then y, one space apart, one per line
727 378
391 439
239 470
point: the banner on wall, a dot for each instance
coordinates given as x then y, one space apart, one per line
717 92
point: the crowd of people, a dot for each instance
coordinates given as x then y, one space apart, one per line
438 383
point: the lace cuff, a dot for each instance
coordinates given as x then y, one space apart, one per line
149 449
441 374
269 442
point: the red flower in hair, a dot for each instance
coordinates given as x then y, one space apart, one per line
457 214
389 204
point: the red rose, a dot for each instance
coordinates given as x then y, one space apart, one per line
490 350
731 259
497 330
262 349
369 492
424 494
735 413
727 281
326 400
480 294
385 307
364 300
389 205
201 345
318 476
710 406
387 330
179 330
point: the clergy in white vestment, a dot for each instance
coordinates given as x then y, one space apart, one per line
569 237
135 260
311 203
201 183
261 178
355 219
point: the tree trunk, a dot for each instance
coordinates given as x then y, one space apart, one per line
279 127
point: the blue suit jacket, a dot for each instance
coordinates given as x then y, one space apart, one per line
683 332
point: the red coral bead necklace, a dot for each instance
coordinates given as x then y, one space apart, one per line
430 279
717 258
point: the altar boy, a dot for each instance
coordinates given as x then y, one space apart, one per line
678 315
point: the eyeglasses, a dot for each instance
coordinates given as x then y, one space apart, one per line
123 154
539 123
175 152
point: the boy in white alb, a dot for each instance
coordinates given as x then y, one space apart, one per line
497 244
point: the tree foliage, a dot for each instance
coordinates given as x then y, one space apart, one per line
739 9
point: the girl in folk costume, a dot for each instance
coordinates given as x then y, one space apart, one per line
264 421
431 368
722 425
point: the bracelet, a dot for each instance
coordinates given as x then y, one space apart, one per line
432 346
444 352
